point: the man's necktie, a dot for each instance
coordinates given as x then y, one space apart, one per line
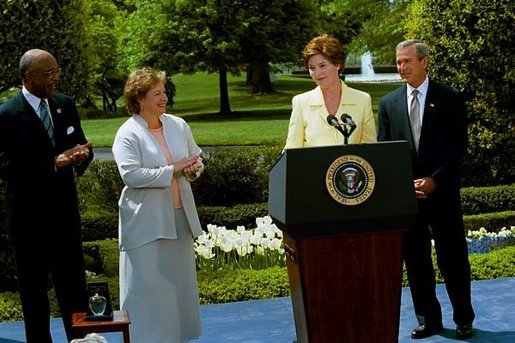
47 122
416 125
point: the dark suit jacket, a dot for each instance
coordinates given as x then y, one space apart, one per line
443 139
37 193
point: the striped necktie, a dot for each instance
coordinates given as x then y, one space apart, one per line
416 124
45 119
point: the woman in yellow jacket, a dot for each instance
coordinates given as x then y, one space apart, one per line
325 59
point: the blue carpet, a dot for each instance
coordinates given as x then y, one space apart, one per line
271 320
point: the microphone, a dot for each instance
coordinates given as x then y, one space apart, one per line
333 121
347 120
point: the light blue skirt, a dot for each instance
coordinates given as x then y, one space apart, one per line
158 287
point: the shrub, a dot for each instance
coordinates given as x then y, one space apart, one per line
98 225
235 176
241 285
10 307
476 200
100 187
105 255
492 222
493 265
8 276
231 217
496 264
232 176
472 49
8 279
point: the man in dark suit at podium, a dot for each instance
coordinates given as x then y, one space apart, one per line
41 144
432 118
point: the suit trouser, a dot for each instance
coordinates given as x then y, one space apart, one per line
441 218
61 257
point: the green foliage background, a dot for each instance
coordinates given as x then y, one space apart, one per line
472 49
57 26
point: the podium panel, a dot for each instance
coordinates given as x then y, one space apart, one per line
344 257
300 203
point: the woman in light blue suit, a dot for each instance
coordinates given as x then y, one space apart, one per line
325 59
157 159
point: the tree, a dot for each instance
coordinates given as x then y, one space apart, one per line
104 32
275 31
345 18
472 48
382 30
187 36
56 26
218 36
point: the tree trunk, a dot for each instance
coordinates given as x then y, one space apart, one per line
225 107
248 78
261 78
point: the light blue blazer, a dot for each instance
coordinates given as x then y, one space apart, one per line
146 203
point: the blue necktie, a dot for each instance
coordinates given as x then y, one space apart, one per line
47 122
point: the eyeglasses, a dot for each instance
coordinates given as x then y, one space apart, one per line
51 73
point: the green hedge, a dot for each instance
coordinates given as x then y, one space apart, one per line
100 187
103 225
231 217
492 222
235 176
476 200
494 265
471 47
241 285
99 225
231 176
104 257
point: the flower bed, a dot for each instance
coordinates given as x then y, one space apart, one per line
482 241
258 248
261 248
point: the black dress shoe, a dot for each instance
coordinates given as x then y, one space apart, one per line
423 330
464 331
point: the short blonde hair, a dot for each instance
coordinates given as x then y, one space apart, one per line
327 46
138 83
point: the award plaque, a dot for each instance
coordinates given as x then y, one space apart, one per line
99 302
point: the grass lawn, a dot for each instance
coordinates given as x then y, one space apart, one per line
256 119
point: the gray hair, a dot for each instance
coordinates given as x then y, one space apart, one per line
29 58
421 49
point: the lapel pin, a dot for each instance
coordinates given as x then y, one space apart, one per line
431 104
59 110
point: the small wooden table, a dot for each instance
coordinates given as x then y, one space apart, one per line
120 322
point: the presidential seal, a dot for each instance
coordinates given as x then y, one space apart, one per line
350 180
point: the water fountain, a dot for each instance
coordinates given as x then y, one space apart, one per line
369 75
367 69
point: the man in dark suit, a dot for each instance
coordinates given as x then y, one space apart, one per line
433 121
41 144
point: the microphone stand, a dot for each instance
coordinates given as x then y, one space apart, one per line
346 135
349 125
346 129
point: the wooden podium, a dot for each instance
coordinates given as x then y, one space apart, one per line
343 249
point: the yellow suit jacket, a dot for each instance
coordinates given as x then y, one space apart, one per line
308 123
